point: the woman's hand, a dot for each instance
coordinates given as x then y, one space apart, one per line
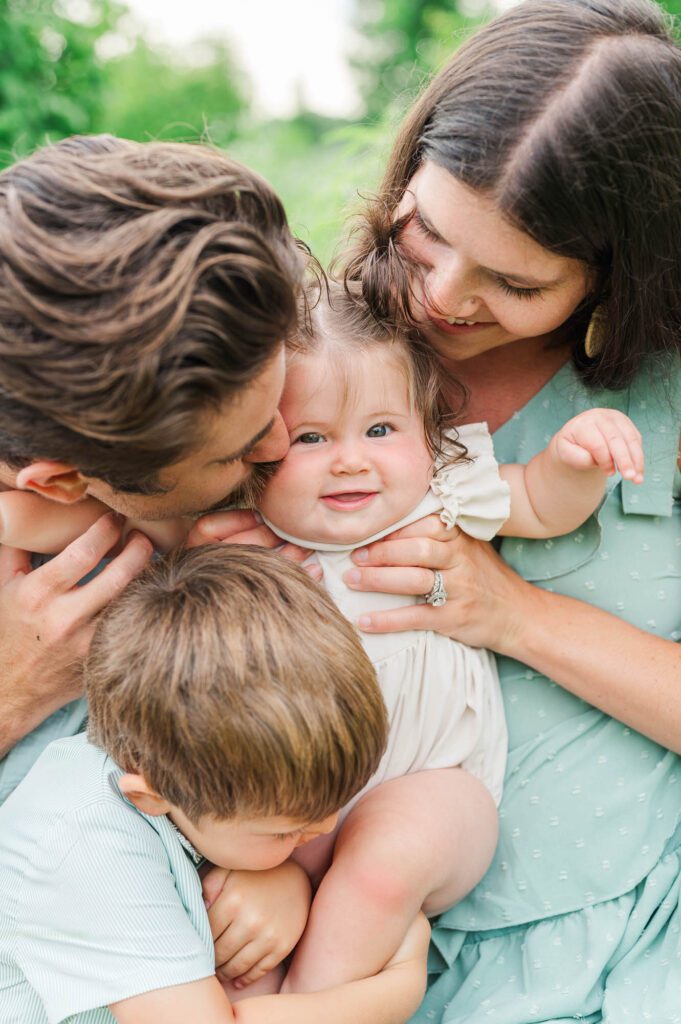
487 602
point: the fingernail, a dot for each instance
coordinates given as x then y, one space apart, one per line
364 621
361 555
353 576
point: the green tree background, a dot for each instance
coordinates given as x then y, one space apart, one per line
63 71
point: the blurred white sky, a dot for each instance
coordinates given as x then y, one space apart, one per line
289 48
284 45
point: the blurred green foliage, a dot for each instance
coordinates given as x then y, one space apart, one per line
156 94
58 77
51 82
404 41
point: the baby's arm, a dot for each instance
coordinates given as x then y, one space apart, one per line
561 486
394 856
391 997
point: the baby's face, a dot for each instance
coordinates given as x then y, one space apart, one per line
358 460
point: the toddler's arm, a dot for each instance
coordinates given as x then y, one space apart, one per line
562 485
390 997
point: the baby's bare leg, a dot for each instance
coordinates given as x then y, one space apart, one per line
420 841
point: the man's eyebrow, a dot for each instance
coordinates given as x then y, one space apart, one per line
248 448
530 282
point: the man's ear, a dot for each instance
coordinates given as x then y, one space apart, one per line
137 790
58 481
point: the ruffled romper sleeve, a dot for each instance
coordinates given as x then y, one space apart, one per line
473 495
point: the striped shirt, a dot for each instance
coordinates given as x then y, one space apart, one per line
99 902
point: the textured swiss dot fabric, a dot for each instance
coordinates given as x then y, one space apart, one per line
579 917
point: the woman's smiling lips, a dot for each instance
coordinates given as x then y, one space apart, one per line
458 328
349 501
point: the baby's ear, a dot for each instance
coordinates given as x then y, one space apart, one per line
137 790
56 480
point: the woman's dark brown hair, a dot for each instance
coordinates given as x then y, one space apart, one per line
568 114
140 285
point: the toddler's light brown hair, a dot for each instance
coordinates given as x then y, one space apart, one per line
228 678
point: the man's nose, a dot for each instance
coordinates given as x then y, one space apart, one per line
273 445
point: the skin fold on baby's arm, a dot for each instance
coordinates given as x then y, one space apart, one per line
561 486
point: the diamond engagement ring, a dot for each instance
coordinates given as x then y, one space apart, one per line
438 595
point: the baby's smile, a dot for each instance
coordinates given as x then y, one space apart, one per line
349 501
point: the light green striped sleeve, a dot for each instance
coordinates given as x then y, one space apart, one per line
111 909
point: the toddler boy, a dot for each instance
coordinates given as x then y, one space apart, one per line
232 713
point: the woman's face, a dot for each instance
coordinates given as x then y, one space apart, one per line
483 283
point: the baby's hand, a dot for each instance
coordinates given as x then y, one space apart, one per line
601 438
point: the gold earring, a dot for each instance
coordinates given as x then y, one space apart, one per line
595 332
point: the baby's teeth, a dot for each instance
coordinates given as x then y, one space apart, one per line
457 320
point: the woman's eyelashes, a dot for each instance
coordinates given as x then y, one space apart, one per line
520 293
508 289
424 228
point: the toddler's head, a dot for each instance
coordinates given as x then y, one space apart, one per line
361 407
236 699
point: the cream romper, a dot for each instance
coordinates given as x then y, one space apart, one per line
443 697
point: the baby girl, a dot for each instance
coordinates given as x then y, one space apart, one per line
369 455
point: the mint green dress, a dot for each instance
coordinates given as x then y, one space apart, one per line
579 916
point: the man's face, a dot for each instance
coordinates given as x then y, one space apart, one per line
248 430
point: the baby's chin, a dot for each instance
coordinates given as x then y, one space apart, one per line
350 530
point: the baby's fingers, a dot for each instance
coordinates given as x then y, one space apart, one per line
627 453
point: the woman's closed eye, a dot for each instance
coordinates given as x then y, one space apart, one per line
519 293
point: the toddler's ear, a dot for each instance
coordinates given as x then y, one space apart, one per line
137 790
58 481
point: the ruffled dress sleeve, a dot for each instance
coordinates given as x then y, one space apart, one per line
473 495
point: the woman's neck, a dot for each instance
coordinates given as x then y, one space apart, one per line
503 380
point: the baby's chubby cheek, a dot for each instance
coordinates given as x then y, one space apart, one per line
282 500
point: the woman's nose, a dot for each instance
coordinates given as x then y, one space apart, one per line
274 444
448 291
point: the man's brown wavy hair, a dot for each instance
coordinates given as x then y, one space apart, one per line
140 285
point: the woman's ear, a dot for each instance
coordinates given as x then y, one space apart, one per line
58 481
137 790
